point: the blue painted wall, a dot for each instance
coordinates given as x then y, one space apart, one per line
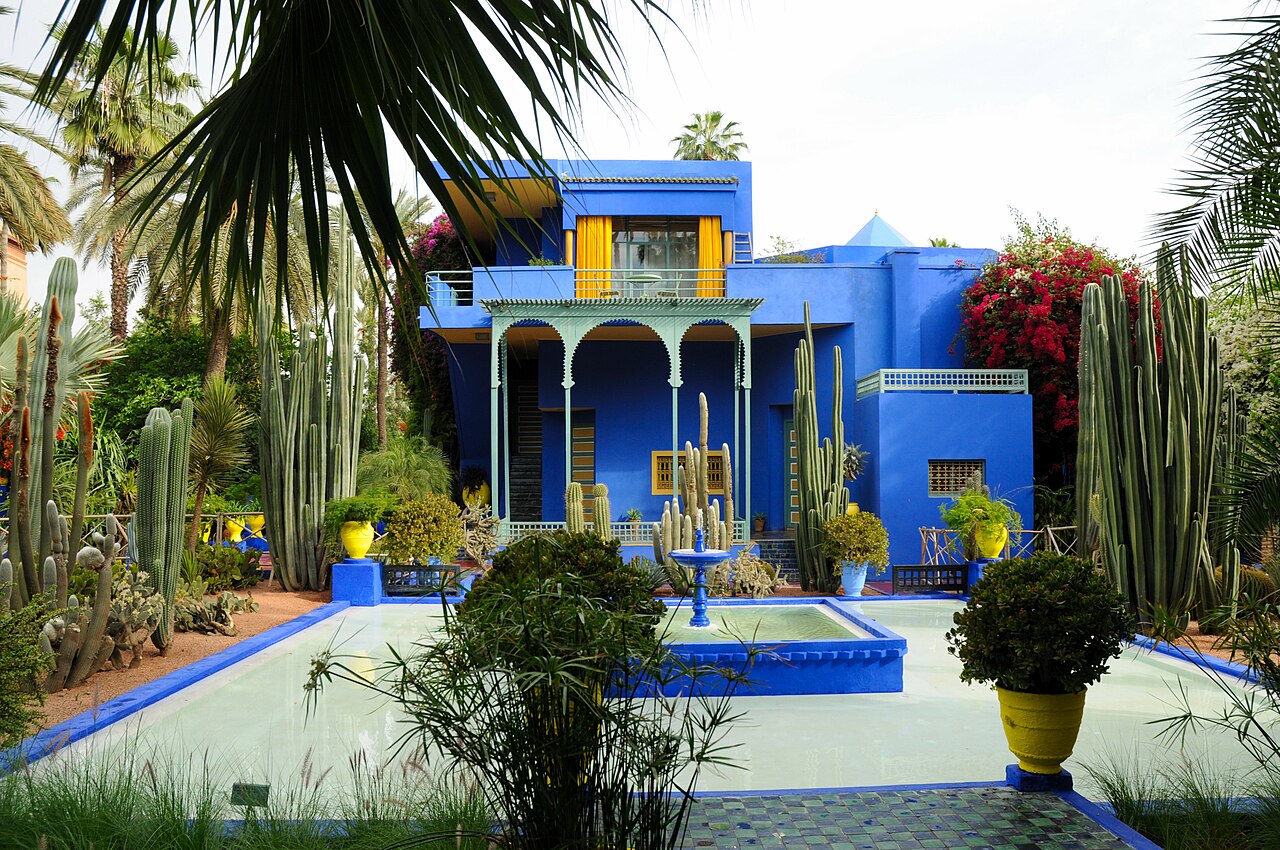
904 431
625 383
885 307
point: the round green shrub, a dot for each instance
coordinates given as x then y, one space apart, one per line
584 564
424 528
1044 625
859 537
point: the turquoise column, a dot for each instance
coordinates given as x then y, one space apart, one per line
495 384
505 376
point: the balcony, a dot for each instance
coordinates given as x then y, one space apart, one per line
944 380
649 283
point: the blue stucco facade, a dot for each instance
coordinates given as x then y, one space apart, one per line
886 306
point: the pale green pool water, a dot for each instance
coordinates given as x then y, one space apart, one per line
248 723
760 624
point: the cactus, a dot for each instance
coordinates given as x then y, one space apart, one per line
6 584
309 431
1148 437
574 519
160 519
822 492
1229 579
47 391
83 647
600 513
675 531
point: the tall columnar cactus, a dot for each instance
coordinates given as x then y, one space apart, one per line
6 584
822 493
47 391
160 518
309 431
574 515
1148 438
676 530
1222 548
600 512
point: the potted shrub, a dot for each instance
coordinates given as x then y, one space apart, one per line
422 529
1040 630
352 519
983 522
475 488
634 516
853 543
757 522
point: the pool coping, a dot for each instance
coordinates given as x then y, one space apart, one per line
56 737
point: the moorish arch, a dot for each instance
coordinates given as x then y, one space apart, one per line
670 319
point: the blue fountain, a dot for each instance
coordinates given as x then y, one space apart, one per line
699 558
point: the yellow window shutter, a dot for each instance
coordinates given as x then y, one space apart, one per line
595 255
710 258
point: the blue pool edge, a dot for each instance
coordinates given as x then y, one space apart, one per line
99 717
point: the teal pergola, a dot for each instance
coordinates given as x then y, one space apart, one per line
670 319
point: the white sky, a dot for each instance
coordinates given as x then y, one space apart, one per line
941 115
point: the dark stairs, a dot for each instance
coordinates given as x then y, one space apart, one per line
526 459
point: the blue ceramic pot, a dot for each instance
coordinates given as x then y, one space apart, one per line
853 578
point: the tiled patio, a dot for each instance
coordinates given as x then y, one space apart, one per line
992 818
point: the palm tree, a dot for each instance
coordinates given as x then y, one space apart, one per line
29 213
708 137
411 209
301 104
174 286
115 115
218 442
1230 220
942 242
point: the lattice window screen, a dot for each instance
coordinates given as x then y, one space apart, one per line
661 472
948 477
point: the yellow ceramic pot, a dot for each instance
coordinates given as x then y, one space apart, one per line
476 495
356 538
990 540
257 522
233 530
1041 728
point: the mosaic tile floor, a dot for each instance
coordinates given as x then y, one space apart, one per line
994 818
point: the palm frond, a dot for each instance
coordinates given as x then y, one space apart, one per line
304 106
1230 218
1249 505
34 216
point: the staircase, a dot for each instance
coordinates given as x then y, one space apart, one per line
526 488
741 247
526 459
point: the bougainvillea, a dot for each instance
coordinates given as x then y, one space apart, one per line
418 357
1023 312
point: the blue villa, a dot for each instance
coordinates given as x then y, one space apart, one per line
653 295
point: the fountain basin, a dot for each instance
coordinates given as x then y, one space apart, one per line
810 647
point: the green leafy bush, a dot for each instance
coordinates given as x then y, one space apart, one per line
584 563
369 507
424 528
22 665
407 467
1045 625
974 510
224 567
859 537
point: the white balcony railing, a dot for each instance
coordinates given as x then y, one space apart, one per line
944 380
649 283
628 533
449 288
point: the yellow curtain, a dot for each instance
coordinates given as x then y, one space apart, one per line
710 258
595 254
